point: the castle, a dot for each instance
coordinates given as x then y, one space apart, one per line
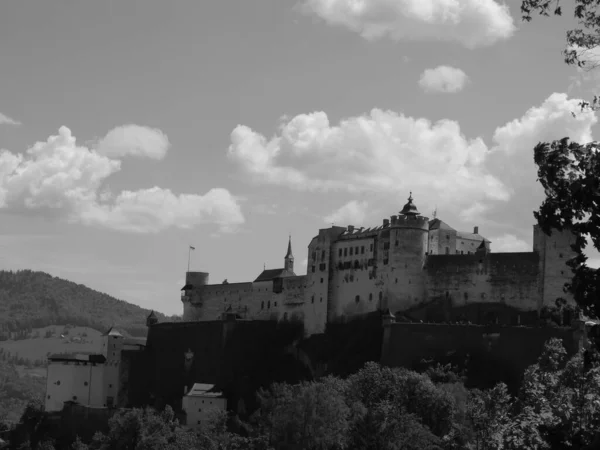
409 265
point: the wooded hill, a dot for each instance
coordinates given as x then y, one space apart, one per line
31 299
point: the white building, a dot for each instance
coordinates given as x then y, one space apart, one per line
90 379
201 402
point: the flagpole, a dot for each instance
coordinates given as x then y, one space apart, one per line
189 256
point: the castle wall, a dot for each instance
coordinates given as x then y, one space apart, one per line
353 286
555 251
319 288
496 353
503 278
440 240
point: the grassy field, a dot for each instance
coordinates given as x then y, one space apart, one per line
37 346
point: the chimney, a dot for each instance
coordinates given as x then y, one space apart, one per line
350 228
394 219
386 222
476 230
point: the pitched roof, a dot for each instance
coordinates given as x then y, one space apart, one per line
289 250
270 274
471 236
439 224
204 390
113 332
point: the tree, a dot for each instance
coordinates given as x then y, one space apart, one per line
569 174
582 41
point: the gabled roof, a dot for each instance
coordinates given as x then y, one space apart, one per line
436 224
270 274
471 236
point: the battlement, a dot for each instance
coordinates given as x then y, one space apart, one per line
412 222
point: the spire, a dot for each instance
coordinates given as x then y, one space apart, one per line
289 250
289 258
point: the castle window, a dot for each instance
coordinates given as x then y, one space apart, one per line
312 300
356 264
356 250
447 251
362 250
274 303
380 296
262 305
74 397
396 280
462 243
351 250
560 255
346 252
322 267
322 255
466 296
462 252
448 237
457 252
314 255
371 297
321 280
321 300
386 245
385 261
357 298
313 269
85 383
396 244
432 237
340 253
269 304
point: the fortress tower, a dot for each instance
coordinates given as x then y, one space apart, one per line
404 248
192 295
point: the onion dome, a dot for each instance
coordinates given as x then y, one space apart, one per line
410 209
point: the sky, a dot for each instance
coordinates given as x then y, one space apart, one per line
132 129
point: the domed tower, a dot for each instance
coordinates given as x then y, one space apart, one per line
407 244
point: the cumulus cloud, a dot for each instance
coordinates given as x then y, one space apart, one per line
5 120
60 176
381 152
134 140
509 243
443 79
472 23
353 212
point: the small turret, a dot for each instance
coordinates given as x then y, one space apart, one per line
151 319
289 258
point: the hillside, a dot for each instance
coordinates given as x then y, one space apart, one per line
31 299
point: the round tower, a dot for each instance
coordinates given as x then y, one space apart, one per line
192 295
408 235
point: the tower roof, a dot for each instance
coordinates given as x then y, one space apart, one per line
289 250
410 209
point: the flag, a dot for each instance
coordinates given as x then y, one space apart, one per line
192 248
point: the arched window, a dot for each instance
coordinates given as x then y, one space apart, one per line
371 296
269 304
262 305
357 298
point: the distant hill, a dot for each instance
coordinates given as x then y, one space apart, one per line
31 299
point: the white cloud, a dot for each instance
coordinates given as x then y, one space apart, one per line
382 152
60 176
134 140
509 243
444 79
472 23
352 213
5 120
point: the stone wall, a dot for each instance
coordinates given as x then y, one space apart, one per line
490 353
509 279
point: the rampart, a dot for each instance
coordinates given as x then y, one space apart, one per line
490 354
238 356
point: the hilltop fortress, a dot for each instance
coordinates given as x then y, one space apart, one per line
418 269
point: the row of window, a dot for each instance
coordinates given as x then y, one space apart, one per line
262 304
353 250
357 298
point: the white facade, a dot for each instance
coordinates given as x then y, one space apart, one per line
199 404
90 380
74 380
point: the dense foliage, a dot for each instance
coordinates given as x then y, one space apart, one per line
35 299
17 391
377 408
